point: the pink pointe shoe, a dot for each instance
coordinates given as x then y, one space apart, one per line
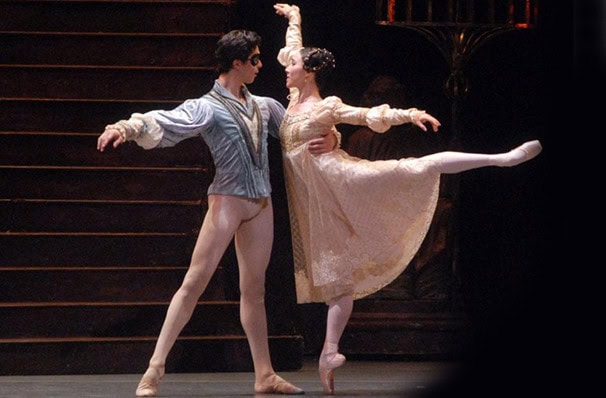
277 385
524 153
148 386
327 365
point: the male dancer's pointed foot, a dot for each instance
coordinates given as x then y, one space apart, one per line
277 385
327 365
523 153
148 386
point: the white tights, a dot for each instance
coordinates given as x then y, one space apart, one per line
455 162
339 312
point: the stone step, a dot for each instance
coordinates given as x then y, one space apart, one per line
104 183
79 249
112 319
168 16
41 215
118 355
104 83
79 116
80 149
79 284
185 50
128 319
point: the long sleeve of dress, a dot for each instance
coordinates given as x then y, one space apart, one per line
294 42
294 38
379 118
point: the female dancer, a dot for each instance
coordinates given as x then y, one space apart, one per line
342 249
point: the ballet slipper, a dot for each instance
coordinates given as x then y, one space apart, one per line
148 386
523 153
277 385
328 363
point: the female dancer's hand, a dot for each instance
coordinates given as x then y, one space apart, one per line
420 118
283 9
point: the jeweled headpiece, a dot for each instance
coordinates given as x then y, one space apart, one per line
318 59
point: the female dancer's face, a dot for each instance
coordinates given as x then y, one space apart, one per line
295 74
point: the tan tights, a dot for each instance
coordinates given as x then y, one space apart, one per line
251 222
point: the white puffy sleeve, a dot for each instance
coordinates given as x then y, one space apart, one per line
380 118
141 128
150 132
294 42
166 128
294 38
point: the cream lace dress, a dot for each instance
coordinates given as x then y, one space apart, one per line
356 224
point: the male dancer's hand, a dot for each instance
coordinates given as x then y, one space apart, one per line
326 143
109 136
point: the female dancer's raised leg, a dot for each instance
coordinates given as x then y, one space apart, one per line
455 162
450 162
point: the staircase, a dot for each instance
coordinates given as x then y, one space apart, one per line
93 245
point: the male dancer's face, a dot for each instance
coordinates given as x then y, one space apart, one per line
252 65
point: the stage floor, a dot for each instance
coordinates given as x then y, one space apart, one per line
357 378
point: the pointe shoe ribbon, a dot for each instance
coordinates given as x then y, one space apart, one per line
148 386
278 385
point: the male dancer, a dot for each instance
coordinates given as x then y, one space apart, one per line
234 124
